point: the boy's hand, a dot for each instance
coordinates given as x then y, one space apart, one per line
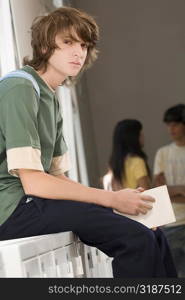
140 189
132 202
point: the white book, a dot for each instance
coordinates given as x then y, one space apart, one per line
162 212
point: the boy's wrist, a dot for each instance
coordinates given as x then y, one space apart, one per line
108 199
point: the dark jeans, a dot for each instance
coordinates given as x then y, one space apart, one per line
176 239
138 251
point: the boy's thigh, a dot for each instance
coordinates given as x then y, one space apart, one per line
36 216
94 224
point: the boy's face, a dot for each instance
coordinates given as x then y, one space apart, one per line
69 57
176 130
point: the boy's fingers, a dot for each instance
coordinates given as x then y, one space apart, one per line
147 198
146 206
140 189
143 211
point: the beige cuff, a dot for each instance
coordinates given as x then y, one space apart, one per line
23 158
60 164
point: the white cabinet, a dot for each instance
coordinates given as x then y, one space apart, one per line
73 253
97 264
35 256
13 256
47 265
54 255
2 269
62 239
63 262
31 268
104 266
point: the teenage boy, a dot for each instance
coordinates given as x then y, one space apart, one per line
169 168
35 196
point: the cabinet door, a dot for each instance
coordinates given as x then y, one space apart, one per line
104 266
64 267
32 268
76 259
47 265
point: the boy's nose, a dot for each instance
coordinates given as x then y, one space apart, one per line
78 50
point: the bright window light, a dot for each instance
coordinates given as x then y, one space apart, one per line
7 55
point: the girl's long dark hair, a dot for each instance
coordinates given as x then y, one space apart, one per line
125 142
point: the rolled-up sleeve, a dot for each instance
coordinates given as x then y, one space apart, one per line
60 164
23 158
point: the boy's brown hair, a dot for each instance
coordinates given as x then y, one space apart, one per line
66 20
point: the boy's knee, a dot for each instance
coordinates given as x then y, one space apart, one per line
147 235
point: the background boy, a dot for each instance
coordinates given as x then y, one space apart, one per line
169 168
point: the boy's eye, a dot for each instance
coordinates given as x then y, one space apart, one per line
68 42
84 45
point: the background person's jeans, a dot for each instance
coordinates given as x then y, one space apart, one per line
176 240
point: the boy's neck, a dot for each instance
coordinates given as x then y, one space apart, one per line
52 79
180 142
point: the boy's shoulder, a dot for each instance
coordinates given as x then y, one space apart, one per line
13 83
165 149
16 79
